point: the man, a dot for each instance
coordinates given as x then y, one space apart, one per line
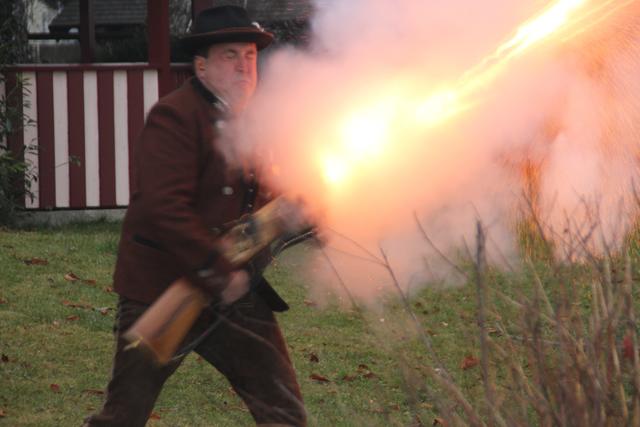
184 193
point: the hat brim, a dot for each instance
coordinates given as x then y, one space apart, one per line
193 42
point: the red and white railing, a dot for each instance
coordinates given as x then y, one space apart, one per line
86 119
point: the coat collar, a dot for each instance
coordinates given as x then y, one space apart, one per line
212 99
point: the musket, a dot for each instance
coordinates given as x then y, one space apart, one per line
163 326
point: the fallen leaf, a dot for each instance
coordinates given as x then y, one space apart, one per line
54 388
627 347
35 261
365 371
103 310
2 413
72 317
439 422
56 323
310 303
76 304
349 378
94 391
319 378
494 331
70 277
4 358
469 362
395 407
3 301
238 408
108 289
313 358
154 416
89 281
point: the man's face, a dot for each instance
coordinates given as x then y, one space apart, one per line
229 70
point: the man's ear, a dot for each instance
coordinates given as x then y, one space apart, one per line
199 66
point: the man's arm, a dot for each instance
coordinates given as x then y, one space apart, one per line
168 162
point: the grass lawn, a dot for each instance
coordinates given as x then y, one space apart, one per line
57 311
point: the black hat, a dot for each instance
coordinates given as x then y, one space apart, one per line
224 24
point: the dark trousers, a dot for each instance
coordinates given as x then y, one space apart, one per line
246 346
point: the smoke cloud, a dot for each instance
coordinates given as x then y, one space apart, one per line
559 125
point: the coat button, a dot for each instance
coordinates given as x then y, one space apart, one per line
227 191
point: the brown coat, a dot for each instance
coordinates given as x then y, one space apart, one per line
182 190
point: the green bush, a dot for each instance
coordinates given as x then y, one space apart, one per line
14 170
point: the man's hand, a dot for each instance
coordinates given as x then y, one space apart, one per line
237 288
293 215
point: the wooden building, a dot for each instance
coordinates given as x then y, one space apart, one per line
87 116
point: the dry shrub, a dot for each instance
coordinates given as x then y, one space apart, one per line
566 348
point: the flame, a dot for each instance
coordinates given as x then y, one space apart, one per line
335 169
542 27
363 138
438 107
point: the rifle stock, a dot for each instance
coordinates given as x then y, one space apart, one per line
163 326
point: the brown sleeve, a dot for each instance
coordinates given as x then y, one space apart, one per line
169 161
